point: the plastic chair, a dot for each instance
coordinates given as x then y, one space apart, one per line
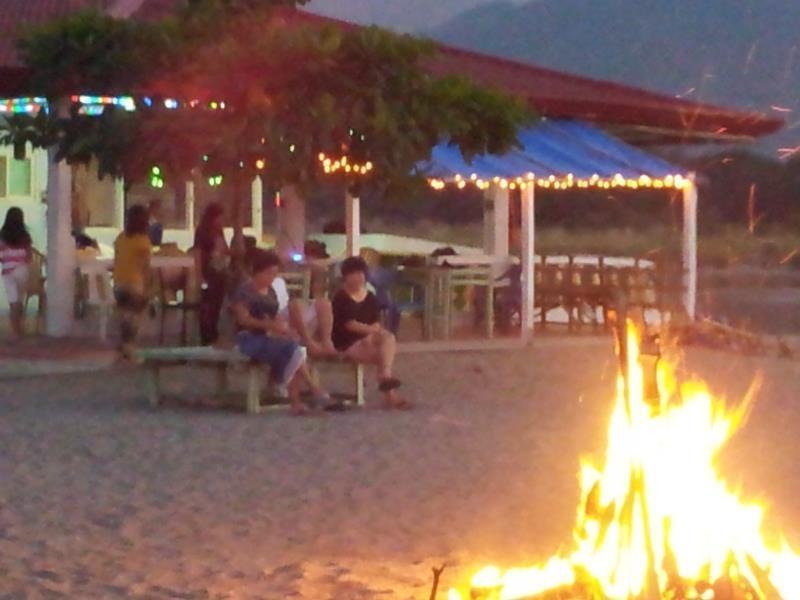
36 287
176 299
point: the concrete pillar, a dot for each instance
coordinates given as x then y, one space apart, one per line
352 225
690 246
488 222
61 259
292 232
118 221
189 206
495 221
257 208
528 260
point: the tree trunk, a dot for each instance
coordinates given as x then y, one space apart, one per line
292 222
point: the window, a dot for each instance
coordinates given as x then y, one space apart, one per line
15 177
3 177
19 177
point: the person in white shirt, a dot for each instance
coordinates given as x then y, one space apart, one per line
310 320
16 251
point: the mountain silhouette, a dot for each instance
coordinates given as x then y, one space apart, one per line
739 53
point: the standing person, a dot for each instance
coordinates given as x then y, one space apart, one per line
358 333
132 252
16 250
381 279
155 229
265 337
213 254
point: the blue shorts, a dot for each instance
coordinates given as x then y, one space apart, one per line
283 356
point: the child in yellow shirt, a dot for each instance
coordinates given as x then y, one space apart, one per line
132 251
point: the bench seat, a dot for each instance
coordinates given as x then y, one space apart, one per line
223 360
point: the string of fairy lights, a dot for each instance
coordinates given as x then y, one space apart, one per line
570 181
344 165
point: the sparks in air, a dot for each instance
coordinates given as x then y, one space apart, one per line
785 153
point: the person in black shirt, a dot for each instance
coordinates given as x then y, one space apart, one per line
213 252
358 333
155 229
265 337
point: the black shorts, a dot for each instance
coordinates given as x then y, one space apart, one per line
128 299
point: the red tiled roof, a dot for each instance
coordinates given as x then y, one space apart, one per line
551 93
558 94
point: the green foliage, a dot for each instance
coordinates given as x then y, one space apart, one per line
360 93
20 129
89 52
290 93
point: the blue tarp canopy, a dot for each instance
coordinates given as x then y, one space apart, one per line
557 148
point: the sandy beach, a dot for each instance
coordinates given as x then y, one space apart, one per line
103 497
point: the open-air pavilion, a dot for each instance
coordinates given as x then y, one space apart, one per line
555 154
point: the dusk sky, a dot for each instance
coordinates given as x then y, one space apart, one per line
669 46
407 15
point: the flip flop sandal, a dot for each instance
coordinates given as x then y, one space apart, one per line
390 384
300 410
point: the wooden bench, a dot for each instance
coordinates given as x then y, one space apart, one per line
222 361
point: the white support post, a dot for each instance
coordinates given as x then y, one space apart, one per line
528 260
488 221
119 204
352 225
257 208
690 246
189 206
61 259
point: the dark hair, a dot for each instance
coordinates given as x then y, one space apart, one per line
14 233
263 260
137 220
212 211
354 264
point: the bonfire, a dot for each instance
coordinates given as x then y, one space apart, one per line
657 521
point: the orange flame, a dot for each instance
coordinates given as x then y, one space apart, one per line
657 521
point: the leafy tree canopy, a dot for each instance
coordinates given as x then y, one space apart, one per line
290 94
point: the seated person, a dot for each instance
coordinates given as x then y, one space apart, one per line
310 320
358 333
265 337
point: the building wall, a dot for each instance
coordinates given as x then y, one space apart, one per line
92 198
33 202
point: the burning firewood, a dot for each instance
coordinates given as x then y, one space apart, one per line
718 336
437 573
657 522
